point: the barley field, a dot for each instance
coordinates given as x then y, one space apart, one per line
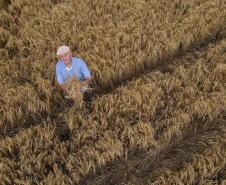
159 92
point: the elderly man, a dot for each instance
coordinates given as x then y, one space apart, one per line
69 68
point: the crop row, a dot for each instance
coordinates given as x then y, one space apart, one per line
117 41
200 158
151 113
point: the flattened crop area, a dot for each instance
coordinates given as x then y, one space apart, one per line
159 92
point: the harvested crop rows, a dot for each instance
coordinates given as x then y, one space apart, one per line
159 107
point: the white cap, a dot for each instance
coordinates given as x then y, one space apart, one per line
62 50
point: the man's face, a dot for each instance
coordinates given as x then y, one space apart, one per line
66 58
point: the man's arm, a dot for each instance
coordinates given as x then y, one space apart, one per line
63 87
88 81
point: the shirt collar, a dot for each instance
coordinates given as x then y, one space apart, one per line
68 68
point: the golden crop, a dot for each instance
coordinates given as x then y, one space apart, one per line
159 92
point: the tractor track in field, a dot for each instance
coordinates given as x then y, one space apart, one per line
173 157
126 169
163 66
120 172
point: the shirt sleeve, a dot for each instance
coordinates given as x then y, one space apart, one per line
85 71
59 75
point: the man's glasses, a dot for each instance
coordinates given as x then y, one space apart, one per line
64 56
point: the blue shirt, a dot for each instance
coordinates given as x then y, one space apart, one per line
78 70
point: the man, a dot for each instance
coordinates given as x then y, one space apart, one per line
69 68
